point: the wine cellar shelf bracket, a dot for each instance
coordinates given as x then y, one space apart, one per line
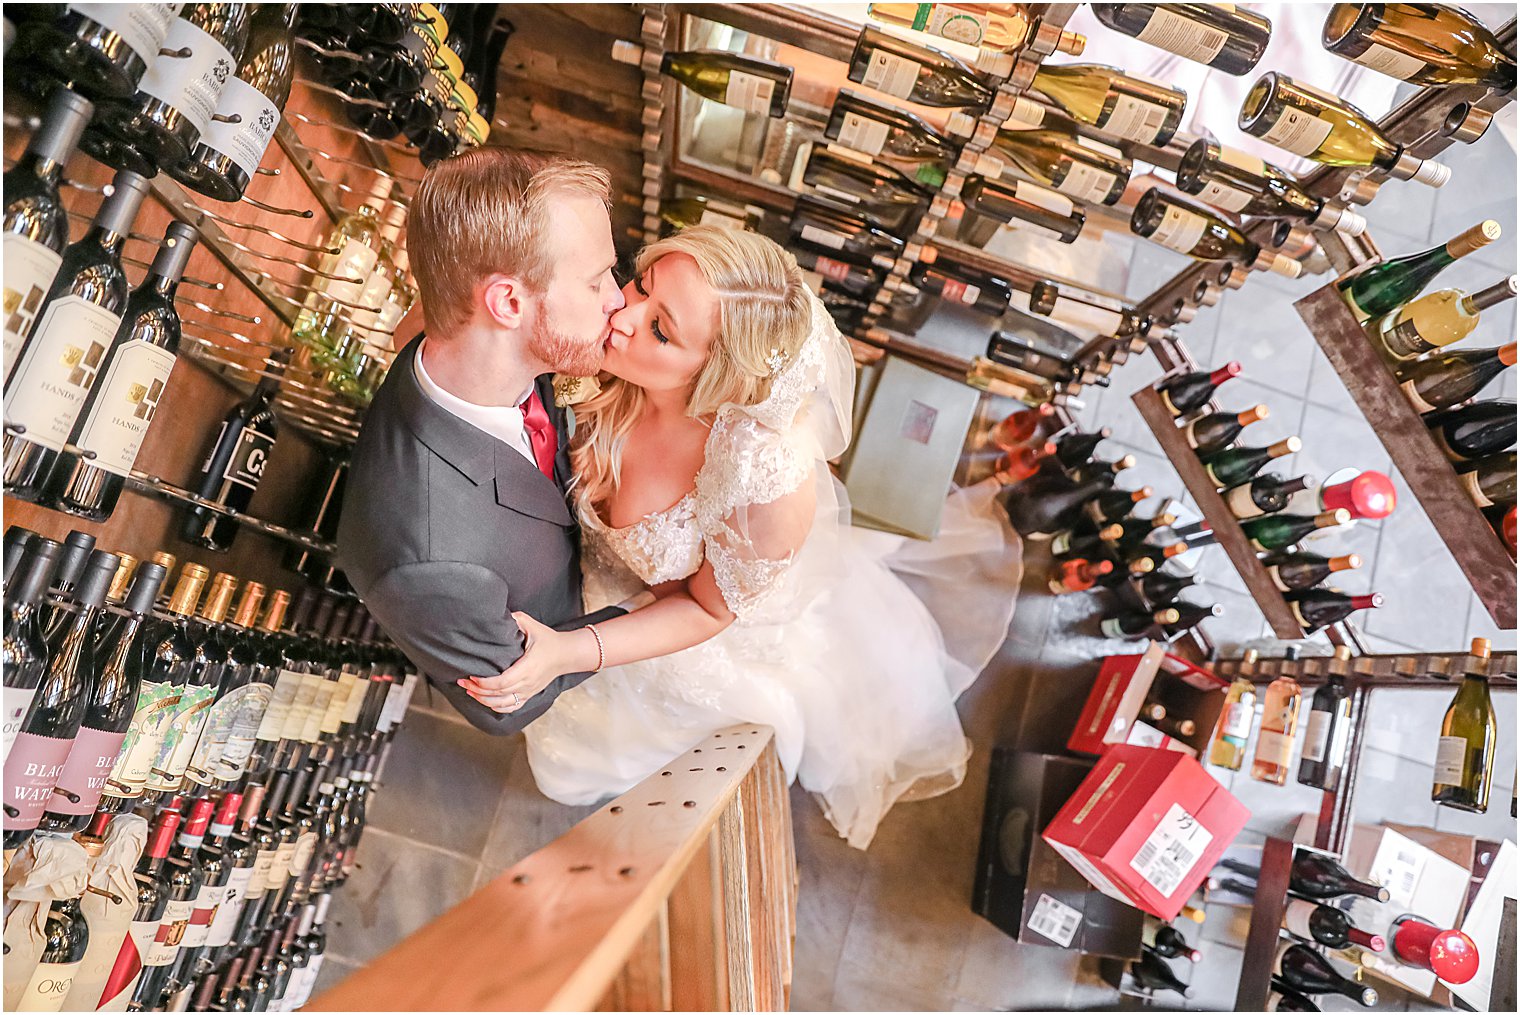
144 483
1429 473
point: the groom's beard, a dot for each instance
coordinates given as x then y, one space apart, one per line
564 353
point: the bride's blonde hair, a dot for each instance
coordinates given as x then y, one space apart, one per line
764 316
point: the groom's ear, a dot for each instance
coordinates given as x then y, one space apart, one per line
503 297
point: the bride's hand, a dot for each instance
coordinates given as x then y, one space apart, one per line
548 654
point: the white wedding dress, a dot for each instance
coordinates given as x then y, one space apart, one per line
856 671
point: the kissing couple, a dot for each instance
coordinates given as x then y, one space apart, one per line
679 560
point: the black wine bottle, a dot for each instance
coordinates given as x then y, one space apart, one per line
1076 449
72 557
1136 625
1234 466
26 653
955 284
882 196
1327 731
1228 38
151 900
1443 380
1190 615
102 49
65 938
1476 430
1317 609
1317 876
852 238
1309 972
89 474
1218 430
203 686
241 700
1153 973
1167 941
1264 495
1293 571
1489 481
1037 508
18 540
1328 926
1191 391
234 466
1288 999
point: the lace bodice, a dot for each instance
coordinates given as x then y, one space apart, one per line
660 547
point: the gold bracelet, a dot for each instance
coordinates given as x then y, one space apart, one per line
601 650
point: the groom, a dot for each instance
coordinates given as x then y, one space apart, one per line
455 512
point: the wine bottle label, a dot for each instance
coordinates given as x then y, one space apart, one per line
1222 195
749 92
1180 230
1298 131
126 405
1296 918
1253 164
1403 339
279 867
206 904
245 141
709 217
356 697
280 702
301 853
830 268
205 760
1055 920
394 707
1172 850
961 292
1316 735
1474 487
1086 183
1135 119
372 301
1451 761
843 195
1049 200
48 987
156 706
300 706
91 761
17 701
31 772
824 237
895 75
1412 393
181 737
352 264
1273 747
863 134
123 978
246 466
224 920
1241 504
263 862
253 701
396 308
143 27
1239 717
337 705
191 84
57 369
171 931
1389 61
950 22
1182 35
29 271
311 732
308 982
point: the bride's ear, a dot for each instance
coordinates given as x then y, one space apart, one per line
503 296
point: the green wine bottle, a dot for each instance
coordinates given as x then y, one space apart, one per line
1464 766
1490 480
1439 382
1275 532
1388 285
1235 466
744 82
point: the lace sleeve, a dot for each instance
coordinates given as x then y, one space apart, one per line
755 503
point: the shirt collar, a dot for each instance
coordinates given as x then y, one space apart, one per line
504 422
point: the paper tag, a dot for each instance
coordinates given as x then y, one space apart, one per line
1222 195
1135 119
1183 36
1451 761
1055 920
29 271
1171 852
1086 183
1298 131
1316 735
126 404
895 75
749 92
1180 229
1390 61
863 134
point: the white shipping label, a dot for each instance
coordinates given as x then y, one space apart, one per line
1055 920
1316 735
246 140
1390 61
1135 119
1086 183
141 26
1180 229
1183 36
895 75
126 405
1274 747
1171 852
749 92
1451 761
1222 195
1242 160
1298 131
17 701
352 264
192 84
1238 717
58 368
29 269
863 134
824 237
1042 198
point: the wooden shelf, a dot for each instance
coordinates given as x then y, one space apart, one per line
1478 550
1225 525
1422 669
1266 925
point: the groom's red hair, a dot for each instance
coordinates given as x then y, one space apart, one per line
484 212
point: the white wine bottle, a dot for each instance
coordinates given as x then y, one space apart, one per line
1427 44
734 79
1239 182
1438 319
1001 26
1114 102
1464 768
1226 37
1193 229
897 138
1017 201
1317 125
922 74
1082 169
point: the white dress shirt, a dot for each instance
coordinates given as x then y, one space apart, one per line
504 422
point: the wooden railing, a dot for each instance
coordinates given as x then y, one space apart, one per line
680 895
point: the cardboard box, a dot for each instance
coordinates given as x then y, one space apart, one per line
1124 683
1146 826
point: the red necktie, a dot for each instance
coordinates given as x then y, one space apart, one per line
541 434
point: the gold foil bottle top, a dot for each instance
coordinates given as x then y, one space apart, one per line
122 580
1480 648
166 559
274 616
192 578
1479 236
219 599
247 612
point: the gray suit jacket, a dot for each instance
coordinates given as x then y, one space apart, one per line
445 530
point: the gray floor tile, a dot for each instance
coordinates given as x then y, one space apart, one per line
1000 974
1151 267
524 821
333 972
1407 722
1241 622
1437 615
1261 329
1335 440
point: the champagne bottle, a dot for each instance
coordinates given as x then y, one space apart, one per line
1153 973
36 225
1317 876
1042 505
1083 170
1010 201
352 254
1239 182
1309 972
1226 37
1235 466
1228 748
1265 494
234 466
1464 766
1437 319
884 197
921 74
1189 615
1193 229
693 210
1279 531
1217 431
18 541
1387 285
999 26
1427 44
1291 572
26 651
1327 731
1320 126
1444 380
1167 941
1158 589
103 49
850 278
1076 448
1319 608
1475 430
1188 392
734 79
1112 505
58 364
1490 480
955 284
1138 625
89 474
1079 575
1021 463
1279 727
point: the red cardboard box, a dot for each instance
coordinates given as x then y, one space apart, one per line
1123 684
1146 826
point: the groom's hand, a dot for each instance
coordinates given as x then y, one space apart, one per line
548 654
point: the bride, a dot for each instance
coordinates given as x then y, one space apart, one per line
702 476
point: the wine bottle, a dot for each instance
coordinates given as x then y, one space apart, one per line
1489 481
1167 941
1317 876
1157 588
1235 466
1112 505
1137 625
151 900
72 558
26 651
228 154
1079 575
1153 973
1188 392
1039 508
1021 463
58 364
1133 108
1319 608
1083 170
1476 430
695 210
1317 125
1427 44
1444 380
1011 201
1019 428
1189 615
851 278
1313 921
1007 27
1217 431
829 228
227 735
1368 495
1265 494
183 880
1387 285
65 939
1226 37
1327 730
1464 765
315 947
896 138
1279 531
1279 728
108 713
1291 572
234 466
883 197
1246 184
734 79
353 251
201 690
1192 229
1437 319
1228 748
921 74
36 226
1076 448
88 475
953 283
102 49
1288 999
1309 972
42 746
1450 954
18 540
201 844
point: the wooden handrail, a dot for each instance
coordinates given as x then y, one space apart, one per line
680 895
